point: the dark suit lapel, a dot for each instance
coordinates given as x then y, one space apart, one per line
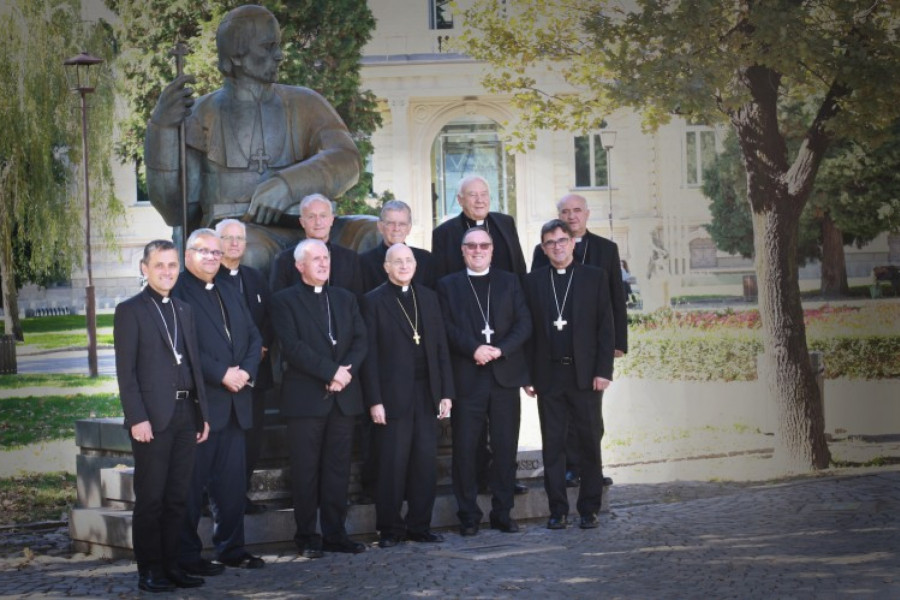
156 318
311 303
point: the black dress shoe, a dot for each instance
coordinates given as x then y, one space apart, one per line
520 488
557 522
245 561
182 579
345 545
202 567
310 551
252 508
389 541
607 481
589 521
572 480
468 529
155 583
506 525
427 537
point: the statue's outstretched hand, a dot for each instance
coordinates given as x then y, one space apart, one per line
270 199
174 103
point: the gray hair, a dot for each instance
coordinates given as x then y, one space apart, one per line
307 200
199 233
304 246
221 225
395 205
469 179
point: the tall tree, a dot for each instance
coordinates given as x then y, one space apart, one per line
707 60
41 208
322 44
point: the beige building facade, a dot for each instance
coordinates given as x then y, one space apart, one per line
440 124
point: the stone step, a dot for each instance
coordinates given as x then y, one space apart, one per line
106 531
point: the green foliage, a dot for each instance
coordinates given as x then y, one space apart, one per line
41 223
322 42
43 418
50 341
36 497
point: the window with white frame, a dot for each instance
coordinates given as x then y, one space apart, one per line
591 169
439 15
699 152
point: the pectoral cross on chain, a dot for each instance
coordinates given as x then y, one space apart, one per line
416 337
262 160
560 323
488 332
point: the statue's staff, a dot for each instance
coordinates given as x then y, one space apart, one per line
179 52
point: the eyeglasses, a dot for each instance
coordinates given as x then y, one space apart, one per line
399 262
474 195
477 246
233 238
553 243
206 252
395 224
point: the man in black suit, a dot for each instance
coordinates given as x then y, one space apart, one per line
474 197
253 286
230 351
408 383
323 342
394 225
316 219
487 324
164 402
571 351
590 249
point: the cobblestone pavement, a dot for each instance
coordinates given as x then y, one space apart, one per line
811 537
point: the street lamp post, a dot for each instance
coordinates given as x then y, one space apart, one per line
608 140
78 72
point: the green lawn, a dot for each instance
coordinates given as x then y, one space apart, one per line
44 418
60 323
24 380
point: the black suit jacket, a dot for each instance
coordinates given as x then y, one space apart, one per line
345 271
592 326
602 253
309 357
254 287
446 243
388 374
217 354
373 274
509 318
145 365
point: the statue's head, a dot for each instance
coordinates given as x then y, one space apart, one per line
248 41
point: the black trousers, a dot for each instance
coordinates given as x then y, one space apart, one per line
564 409
407 447
162 476
219 468
486 406
320 449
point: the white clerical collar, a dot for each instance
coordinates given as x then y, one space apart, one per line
561 271
165 299
233 272
578 240
480 222
404 288
317 289
474 274
209 286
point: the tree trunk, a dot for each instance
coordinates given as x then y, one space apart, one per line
800 443
11 321
834 267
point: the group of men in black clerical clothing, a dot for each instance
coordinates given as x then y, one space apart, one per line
401 355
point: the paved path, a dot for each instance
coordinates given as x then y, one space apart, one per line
814 537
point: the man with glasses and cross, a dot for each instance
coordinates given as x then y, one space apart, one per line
488 323
409 386
323 344
571 351
590 249
394 225
230 351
